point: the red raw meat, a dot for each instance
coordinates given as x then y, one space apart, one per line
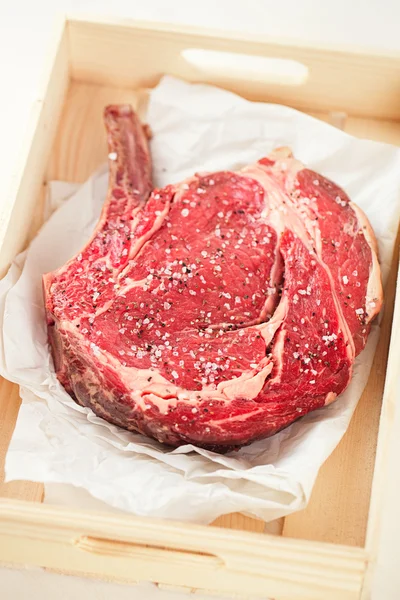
216 311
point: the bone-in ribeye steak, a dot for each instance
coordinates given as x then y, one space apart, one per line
216 311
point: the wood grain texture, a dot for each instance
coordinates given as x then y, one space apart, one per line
20 218
380 131
360 83
18 205
194 556
9 406
383 576
243 523
81 145
240 522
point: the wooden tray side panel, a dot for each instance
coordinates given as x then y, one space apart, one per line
80 146
17 209
383 532
138 54
20 219
205 558
9 407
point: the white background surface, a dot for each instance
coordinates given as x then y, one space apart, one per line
25 28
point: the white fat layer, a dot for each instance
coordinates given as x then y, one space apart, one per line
278 204
374 295
268 330
330 398
304 228
239 418
247 386
278 349
285 164
140 242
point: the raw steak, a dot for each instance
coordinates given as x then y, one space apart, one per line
216 311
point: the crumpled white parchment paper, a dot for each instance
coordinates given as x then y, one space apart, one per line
196 128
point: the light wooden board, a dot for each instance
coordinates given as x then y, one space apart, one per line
9 406
20 217
240 522
383 533
361 82
10 403
194 556
371 129
81 146
18 206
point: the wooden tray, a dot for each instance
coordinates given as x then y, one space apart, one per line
343 546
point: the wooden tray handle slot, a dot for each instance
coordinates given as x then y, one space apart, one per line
233 65
137 550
